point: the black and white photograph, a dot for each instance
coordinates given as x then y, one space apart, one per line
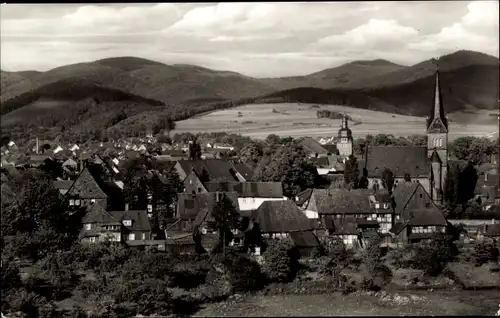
246 159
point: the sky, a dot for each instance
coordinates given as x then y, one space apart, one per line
255 39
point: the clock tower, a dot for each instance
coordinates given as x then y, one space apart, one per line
344 143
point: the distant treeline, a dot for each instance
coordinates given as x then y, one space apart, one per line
331 114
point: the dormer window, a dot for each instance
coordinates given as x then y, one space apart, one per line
386 205
127 222
71 202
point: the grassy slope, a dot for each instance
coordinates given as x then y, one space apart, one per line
168 83
339 76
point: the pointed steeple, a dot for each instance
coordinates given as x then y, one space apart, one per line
437 119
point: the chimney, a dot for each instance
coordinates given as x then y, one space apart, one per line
126 206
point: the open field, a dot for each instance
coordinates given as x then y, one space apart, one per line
477 303
292 119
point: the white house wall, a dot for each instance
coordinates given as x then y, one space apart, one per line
254 203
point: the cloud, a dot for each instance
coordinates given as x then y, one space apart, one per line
257 39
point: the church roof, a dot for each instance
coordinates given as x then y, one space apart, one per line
437 122
435 157
400 160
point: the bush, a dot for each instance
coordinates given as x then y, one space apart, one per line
244 273
433 256
280 261
485 252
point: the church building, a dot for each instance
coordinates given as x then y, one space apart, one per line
345 140
427 165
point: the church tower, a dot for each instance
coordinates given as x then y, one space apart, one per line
437 144
344 143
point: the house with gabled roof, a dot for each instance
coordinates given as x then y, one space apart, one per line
210 169
86 191
99 225
251 195
417 216
401 161
191 206
136 225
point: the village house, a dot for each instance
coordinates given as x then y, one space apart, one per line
189 206
86 191
417 216
116 226
348 214
283 219
250 194
195 173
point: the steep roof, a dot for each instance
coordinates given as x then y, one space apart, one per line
403 193
244 170
304 239
331 148
190 205
280 216
312 146
304 196
97 214
345 226
335 201
425 217
400 160
62 184
248 189
437 121
86 187
217 169
70 162
205 213
139 218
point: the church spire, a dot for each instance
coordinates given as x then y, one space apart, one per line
437 120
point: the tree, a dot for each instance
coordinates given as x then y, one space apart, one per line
194 150
351 172
40 219
226 217
279 261
290 166
485 252
273 139
387 178
466 184
460 147
251 153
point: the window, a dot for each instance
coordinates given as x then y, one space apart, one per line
77 202
92 239
190 181
150 208
374 216
131 237
386 205
427 205
127 222
421 195
71 202
377 205
143 236
199 189
88 226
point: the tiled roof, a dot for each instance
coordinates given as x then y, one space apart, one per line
304 196
63 184
312 146
331 148
304 239
424 217
86 187
97 214
280 216
244 170
397 228
190 205
403 193
217 169
400 160
248 189
70 162
335 201
140 220
345 226
320 162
